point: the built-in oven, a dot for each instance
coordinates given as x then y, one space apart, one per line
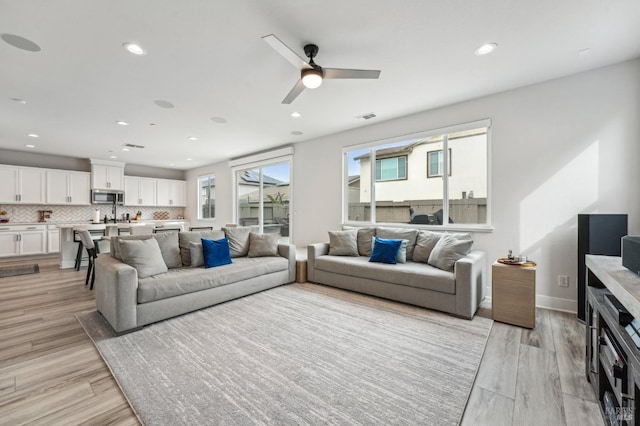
107 196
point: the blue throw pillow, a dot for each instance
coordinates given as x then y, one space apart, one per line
385 251
216 252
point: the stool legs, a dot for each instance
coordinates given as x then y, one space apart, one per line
79 256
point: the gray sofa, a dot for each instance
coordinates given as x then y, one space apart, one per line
128 302
458 291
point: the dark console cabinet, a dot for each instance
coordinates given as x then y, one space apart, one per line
598 234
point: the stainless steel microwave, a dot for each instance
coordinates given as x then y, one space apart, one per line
107 196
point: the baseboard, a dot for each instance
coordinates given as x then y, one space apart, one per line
553 303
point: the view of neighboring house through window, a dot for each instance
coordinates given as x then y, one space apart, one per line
263 195
206 197
431 178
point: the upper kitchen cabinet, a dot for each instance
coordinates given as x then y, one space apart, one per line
139 191
65 187
171 193
107 175
22 185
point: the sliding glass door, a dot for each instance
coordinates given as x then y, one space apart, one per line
263 198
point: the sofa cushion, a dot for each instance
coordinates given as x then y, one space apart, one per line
449 249
410 274
197 255
343 243
365 239
115 243
400 234
188 280
261 245
238 237
170 249
144 255
184 238
425 243
215 252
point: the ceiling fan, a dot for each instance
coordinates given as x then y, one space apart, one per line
311 74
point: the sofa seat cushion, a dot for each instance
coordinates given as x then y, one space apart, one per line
410 274
188 280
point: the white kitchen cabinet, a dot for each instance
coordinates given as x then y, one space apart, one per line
53 239
66 187
171 192
107 175
22 185
139 191
22 240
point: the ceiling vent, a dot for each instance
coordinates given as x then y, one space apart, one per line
132 146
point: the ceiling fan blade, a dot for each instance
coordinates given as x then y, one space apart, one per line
297 89
340 73
286 52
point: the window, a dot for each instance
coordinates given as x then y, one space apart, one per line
393 168
206 197
435 163
263 192
403 188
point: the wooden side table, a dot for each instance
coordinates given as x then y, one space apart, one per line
301 265
513 294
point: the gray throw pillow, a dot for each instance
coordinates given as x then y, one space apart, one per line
115 243
261 245
425 243
343 243
365 236
449 249
400 234
197 255
239 239
144 255
184 238
170 249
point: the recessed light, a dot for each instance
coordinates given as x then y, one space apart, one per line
295 114
125 149
189 159
297 133
135 49
486 49
219 120
33 135
113 156
171 164
122 123
18 100
192 138
21 42
163 104
30 146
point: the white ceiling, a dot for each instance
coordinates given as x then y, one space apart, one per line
208 59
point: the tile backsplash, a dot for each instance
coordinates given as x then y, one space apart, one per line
29 213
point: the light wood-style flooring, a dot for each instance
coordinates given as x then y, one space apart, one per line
50 372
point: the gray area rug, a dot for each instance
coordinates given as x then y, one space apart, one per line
297 354
12 271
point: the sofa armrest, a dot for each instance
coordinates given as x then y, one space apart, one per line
470 274
117 292
313 252
288 251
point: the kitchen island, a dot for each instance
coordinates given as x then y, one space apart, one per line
69 247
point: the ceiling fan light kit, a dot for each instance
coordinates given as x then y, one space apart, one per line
311 74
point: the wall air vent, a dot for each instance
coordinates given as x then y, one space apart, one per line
132 146
367 116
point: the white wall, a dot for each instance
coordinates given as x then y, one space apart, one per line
559 148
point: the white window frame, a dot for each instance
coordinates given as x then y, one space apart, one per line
208 175
444 131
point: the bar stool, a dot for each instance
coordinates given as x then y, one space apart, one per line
96 235
141 230
86 239
163 230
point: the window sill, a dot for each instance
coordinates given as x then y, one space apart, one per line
453 227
